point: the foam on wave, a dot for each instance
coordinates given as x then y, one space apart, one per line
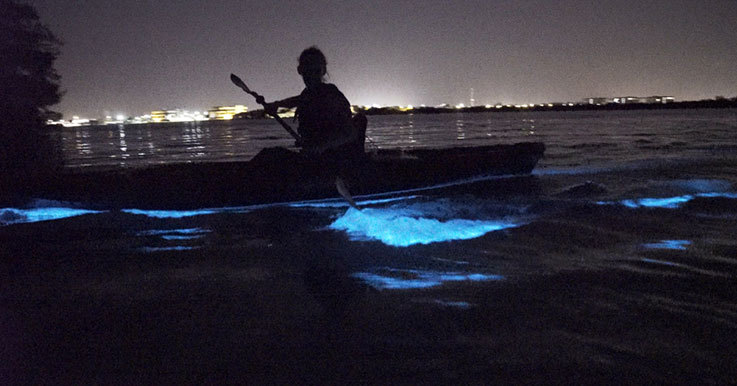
404 226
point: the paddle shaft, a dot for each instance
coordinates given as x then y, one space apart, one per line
260 100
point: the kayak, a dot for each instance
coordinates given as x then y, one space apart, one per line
271 178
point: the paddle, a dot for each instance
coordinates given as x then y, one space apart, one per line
260 100
339 184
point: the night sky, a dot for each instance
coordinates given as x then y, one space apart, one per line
134 56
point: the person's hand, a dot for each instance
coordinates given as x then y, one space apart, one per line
270 108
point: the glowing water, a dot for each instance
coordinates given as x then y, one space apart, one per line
446 303
179 237
414 279
156 232
666 202
669 244
166 249
654 261
400 228
340 203
16 216
176 234
169 213
453 304
703 185
569 171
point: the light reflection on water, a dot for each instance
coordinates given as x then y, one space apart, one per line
137 145
567 135
460 130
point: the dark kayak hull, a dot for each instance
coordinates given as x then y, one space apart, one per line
261 181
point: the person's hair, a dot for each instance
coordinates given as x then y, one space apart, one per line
312 56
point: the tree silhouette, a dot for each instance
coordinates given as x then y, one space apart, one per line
29 85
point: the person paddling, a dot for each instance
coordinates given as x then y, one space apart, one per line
330 136
324 113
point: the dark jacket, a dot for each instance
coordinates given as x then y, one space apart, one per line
324 113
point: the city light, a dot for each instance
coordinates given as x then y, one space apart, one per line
233 111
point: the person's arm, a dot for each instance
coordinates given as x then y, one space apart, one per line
289 103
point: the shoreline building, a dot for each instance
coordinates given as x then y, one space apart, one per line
629 100
224 113
176 115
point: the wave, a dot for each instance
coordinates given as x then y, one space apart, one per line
404 225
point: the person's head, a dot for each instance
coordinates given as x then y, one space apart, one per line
312 66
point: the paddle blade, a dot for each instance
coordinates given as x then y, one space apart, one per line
238 82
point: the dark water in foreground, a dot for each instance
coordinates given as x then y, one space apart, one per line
615 261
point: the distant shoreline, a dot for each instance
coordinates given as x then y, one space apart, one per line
396 110
399 110
706 104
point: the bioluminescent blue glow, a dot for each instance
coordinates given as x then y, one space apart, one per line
662 262
340 203
182 231
176 234
394 227
384 282
669 202
169 213
453 304
181 237
669 244
415 279
451 261
446 303
569 171
703 185
167 249
712 195
666 202
16 216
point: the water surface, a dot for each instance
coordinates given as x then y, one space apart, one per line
614 261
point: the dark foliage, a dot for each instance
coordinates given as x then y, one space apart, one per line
29 86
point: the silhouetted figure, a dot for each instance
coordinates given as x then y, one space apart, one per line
331 137
324 113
